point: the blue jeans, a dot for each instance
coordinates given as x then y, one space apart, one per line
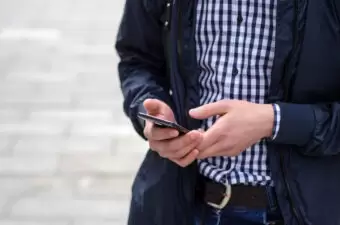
232 215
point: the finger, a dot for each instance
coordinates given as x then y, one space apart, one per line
213 150
159 134
154 106
209 110
187 160
181 153
211 136
183 141
152 132
173 145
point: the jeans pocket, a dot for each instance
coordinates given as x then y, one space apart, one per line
207 215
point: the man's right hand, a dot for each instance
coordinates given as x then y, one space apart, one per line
166 141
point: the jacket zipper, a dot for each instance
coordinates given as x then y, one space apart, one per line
289 190
171 42
180 66
296 213
179 55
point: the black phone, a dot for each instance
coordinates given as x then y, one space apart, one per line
163 123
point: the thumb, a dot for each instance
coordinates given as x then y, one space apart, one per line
209 110
154 106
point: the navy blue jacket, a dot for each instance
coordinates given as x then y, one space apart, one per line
156 46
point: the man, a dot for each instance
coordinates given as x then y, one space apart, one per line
257 82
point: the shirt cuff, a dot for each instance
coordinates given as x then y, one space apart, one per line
277 120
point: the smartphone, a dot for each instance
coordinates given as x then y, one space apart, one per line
163 123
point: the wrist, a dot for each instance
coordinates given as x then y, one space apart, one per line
268 122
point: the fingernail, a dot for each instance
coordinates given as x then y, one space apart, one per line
192 110
193 137
174 133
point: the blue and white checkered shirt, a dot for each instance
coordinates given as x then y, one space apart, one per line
235 52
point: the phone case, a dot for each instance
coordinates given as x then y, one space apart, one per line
163 123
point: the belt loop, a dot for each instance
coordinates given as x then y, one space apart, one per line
203 215
272 203
273 215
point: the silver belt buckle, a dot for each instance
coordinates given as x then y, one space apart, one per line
225 200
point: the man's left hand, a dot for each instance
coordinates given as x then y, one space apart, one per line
240 124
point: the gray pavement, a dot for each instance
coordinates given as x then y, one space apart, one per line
67 152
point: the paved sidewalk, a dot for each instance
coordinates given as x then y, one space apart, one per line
67 152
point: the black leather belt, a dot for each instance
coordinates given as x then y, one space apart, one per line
252 197
218 195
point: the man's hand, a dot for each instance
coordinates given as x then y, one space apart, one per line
240 125
167 142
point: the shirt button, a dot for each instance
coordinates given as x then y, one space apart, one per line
239 19
235 71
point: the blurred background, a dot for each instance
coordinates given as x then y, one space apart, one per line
67 153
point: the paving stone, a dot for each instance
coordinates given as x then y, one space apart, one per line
10 87
67 86
25 222
108 79
4 143
37 105
3 201
98 164
47 145
16 188
61 208
104 187
36 98
101 222
33 128
96 145
84 94
68 154
24 187
27 165
86 49
106 103
12 115
86 187
97 129
63 64
39 77
74 115
129 146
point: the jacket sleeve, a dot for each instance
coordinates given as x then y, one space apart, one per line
142 66
314 129
337 8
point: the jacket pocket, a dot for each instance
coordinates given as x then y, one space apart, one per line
149 174
316 186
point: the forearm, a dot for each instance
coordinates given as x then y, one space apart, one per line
312 128
141 68
137 86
